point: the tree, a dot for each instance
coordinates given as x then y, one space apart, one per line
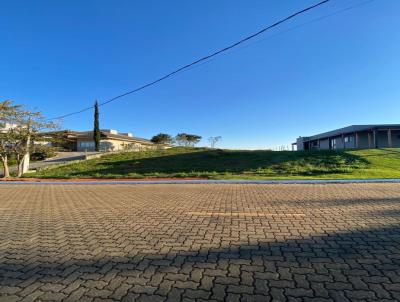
162 138
193 139
8 112
6 140
181 139
24 128
28 130
187 140
96 127
213 140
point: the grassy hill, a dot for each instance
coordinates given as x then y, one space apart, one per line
234 164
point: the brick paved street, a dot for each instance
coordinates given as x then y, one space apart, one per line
335 242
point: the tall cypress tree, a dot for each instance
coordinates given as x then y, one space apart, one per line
96 128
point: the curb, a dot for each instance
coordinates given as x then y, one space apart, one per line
181 182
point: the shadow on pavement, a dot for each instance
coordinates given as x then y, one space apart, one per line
355 265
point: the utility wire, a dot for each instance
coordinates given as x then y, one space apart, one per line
337 12
247 45
205 58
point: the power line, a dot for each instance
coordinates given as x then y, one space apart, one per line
205 58
337 12
247 45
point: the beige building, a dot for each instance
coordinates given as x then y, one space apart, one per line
111 140
4 127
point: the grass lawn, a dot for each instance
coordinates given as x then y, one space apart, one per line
235 164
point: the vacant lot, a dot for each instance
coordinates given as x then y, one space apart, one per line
200 242
230 164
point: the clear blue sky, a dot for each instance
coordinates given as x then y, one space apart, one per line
59 56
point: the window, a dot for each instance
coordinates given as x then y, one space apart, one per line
348 139
333 143
86 144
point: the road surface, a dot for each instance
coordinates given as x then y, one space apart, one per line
198 242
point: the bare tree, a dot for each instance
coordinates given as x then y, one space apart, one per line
214 140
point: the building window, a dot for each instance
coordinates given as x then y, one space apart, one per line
333 143
86 145
348 139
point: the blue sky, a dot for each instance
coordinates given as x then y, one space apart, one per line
59 56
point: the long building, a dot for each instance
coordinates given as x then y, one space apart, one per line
353 137
110 140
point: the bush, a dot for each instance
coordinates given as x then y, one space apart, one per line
43 152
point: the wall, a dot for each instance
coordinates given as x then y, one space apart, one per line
117 145
113 145
363 140
339 142
79 146
396 139
382 139
324 144
300 144
352 143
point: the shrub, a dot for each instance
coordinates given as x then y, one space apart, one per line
43 152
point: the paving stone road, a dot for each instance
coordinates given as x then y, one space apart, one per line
335 242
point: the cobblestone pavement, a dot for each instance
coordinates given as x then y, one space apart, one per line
335 242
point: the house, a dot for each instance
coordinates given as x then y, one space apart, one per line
353 137
111 140
4 127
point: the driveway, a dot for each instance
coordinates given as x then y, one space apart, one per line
61 158
197 242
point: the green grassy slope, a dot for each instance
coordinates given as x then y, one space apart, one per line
232 164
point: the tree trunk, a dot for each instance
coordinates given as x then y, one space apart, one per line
6 170
25 163
26 158
20 167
